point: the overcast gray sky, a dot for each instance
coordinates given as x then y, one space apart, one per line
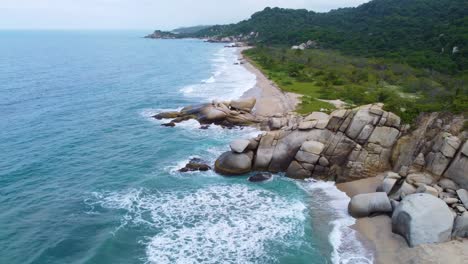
142 14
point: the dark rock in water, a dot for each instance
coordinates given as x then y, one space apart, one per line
170 124
205 127
195 164
167 115
259 177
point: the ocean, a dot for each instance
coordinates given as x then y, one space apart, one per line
87 176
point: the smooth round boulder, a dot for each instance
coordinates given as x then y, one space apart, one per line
259 177
239 145
363 205
422 218
230 163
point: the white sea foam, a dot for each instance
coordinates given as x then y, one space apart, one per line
215 224
347 249
228 81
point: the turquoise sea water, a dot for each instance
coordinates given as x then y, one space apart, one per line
86 176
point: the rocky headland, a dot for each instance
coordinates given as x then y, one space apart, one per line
419 172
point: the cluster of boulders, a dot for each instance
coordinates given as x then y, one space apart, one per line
307 45
241 38
342 146
423 211
226 114
426 168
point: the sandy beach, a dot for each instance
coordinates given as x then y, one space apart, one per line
270 99
392 248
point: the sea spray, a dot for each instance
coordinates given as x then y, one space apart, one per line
347 249
229 79
217 224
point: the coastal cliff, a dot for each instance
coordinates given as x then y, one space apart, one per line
351 144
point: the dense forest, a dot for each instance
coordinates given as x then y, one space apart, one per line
324 74
430 34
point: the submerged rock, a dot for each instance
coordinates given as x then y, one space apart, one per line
170 124
195 164
259 177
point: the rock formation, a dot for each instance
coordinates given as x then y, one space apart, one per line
425 168
343 146
421 219
226 114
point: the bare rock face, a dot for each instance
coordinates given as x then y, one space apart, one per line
458 169
421 219
435 147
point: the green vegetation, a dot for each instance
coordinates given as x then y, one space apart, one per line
321 74
189 30
421 33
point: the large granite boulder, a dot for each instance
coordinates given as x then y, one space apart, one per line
244 104
231 163
460 227
422 218
363 205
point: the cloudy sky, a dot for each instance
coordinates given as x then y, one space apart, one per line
141 14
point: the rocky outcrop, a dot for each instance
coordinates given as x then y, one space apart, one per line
343 146
195 164
437 147
226 114
422 219
347 145
363 205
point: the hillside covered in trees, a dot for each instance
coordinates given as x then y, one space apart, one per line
431 34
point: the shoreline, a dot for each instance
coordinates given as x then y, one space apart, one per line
271 100
376 233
